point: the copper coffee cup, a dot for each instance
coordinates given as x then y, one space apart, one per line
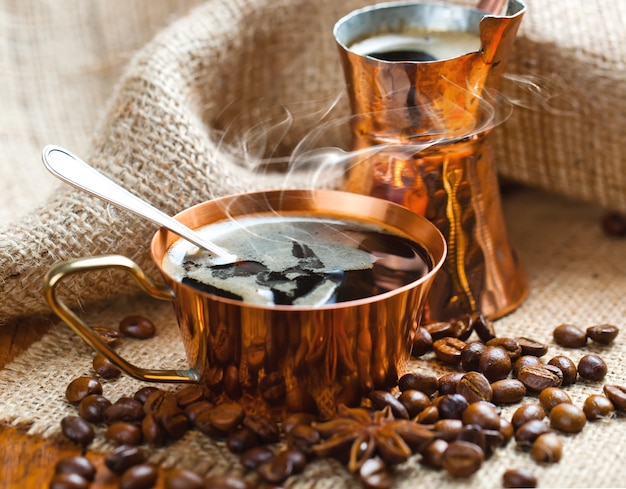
287 357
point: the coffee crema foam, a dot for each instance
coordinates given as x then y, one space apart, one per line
435 45
298 260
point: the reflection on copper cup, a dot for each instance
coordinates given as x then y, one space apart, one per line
273 358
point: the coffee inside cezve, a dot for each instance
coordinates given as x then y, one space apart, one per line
417 45
299 260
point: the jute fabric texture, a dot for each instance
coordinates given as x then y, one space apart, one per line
156 113
577 276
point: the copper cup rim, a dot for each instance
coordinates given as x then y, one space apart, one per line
320 202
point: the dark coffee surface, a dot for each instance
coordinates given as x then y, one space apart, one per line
403 55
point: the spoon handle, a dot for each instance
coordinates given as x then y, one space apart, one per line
74 171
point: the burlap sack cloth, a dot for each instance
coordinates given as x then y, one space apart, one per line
154 115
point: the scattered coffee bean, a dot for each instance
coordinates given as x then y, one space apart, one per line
142 476
241 439
541 377
92 408
124 409
518 478
510 345
592 367
474 386
470 355
381 399
448 350
375 475
602 333
68 480
422 343
553 396
448 382
495 363
77 430
617 395
124 433
439 330
462 459
303 437
448 429
110 336
76 465
295 419
526 361
123 458
567 367
483 414
183 479
190 394
82 387
508 391
547 448
277 469
432 454
532 347
527 412
256 456
614 224
597 407
421 380
451 406
428 416
151 431
105 368
567 418
137 327
569 336
225 481
526 434
414 401
142 394
483 326
220 420
196 409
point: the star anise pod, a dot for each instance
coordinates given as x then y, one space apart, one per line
357 434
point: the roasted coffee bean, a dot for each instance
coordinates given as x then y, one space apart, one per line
448 382
617 395
151 431
527 412
525 361
518 478
476 435
448 350
425 382
569 336
222 419
303 437
163 405
438 330
470 355
265 428
190 394
494 363
422 342
510 345
483 414
241 439
614 224
414 401
567 367
448 429
277 469
272 387
526 434
375 475
294 419
142 476
552 396
592 367
462 459
76 465
142 394
428 416
194 410
124 433
474 386
506 430
105 368
541 377
451 406
77 430
68 480
603 333
137 327
507 391
381 399
232 386
183 479
124 409
110 336
92 408
82 387
256 456
483 326
547 448
597 407
462 328
432 454
123 458
175 424
567 418
225 481
532 347
298 459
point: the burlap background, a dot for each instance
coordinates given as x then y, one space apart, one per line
150 112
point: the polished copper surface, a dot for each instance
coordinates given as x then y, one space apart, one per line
272 358
431 121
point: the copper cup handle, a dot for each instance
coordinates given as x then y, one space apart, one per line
61 270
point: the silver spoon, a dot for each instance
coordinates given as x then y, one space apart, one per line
74 171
